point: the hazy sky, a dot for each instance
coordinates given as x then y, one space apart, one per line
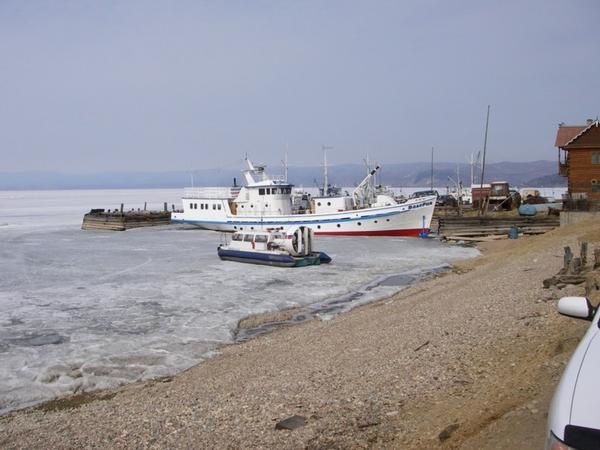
169 85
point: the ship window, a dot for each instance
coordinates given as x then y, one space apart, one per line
328 203
242 206
318 227
359 224
595 157
268 191
266 205
206 206
251 206
248 238
237 237
261 191
375 221
260 238
318 203
387 220
214 206
338 225
219 206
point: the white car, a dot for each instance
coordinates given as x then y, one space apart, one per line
574 416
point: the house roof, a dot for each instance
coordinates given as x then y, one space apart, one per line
566 133
591 124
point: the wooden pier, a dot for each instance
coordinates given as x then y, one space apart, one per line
476 227
119 220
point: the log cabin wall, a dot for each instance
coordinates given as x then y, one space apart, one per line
583 163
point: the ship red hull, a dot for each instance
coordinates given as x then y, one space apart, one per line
415 232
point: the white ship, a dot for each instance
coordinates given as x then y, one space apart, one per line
268 202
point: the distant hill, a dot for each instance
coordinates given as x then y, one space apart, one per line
532 173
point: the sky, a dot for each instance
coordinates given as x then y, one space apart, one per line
88 86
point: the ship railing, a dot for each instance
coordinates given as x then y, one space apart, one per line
209 193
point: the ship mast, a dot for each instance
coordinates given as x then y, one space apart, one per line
325 180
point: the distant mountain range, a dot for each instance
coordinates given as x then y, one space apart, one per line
530 174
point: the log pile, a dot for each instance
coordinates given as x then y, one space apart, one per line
481 226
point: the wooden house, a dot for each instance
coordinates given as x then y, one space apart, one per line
579 160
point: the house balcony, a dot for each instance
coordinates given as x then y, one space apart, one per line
563 169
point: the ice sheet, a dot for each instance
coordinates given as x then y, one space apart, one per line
86 310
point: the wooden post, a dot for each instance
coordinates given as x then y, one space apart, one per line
144 206
583 253
575 266
567 259
121 208
166 209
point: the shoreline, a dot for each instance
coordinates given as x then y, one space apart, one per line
247 328
435 365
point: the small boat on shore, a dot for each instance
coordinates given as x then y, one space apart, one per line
273 247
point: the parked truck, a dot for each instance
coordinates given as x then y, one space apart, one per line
497 195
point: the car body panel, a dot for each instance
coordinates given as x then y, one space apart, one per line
576 399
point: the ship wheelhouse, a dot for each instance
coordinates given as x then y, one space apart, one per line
273 198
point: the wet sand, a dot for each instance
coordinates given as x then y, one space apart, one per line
455 361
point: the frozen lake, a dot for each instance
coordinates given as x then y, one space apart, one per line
84 310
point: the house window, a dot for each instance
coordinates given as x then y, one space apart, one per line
595 157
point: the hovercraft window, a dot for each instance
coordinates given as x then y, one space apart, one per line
248 237
237 237
261 238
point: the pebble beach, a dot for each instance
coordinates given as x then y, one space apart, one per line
452 362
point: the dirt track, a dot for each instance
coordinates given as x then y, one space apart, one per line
466 360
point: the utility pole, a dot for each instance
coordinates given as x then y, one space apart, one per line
487 121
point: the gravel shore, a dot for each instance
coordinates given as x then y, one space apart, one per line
447 363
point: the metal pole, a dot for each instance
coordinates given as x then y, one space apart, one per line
432 168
